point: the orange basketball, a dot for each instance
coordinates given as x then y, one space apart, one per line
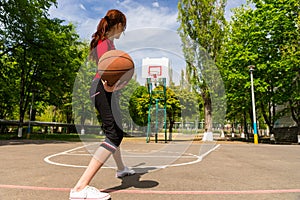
115 65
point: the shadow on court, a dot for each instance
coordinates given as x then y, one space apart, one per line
134 181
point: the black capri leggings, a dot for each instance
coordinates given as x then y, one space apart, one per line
107 105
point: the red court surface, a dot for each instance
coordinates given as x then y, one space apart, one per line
38 170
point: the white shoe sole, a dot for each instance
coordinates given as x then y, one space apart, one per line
104 198
126 174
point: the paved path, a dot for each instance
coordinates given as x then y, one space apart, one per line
37 170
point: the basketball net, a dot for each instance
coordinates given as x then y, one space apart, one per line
154 79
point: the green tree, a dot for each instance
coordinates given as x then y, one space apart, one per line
202 30
233 65
265 36
82 106
140 101
8 92
138 106
127 103
44 53
191 104
174 108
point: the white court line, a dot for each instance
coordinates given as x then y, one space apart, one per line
47 159
198 159
134 156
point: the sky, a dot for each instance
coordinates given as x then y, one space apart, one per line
85 14
151 27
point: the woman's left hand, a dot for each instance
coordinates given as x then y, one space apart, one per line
115 87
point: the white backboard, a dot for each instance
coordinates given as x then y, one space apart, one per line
158 67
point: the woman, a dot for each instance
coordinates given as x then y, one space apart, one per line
109 28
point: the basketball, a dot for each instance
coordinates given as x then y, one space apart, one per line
115 65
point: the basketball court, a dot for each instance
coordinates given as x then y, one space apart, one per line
199 170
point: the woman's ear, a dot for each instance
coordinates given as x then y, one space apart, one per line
120 26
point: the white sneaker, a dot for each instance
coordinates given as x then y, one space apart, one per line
89 193
125 172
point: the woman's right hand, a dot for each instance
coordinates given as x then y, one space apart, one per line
115 87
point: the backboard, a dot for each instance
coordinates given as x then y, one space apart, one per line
155 67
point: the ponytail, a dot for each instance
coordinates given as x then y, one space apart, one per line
102 29
111 18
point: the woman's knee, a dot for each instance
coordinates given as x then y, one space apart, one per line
116 139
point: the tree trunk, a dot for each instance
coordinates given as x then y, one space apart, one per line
171 127
22 100
207 112
172 122
295 115
268 119
246 126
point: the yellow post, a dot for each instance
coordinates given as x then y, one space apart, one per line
255 139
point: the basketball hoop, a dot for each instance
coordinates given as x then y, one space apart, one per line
153 78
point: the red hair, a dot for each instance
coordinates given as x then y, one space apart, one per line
111 18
